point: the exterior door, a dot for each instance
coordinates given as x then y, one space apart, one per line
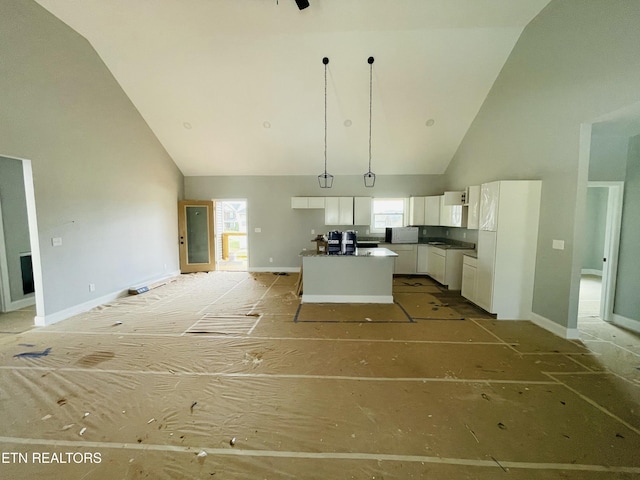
195 227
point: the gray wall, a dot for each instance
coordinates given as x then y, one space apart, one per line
574 62
608 157
14 221
285 231
102 180
627 301
594 229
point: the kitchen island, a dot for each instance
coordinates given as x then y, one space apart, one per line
366 277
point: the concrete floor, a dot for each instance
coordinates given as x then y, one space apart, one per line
161 383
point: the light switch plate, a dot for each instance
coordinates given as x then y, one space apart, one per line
257 230
56 241
558 244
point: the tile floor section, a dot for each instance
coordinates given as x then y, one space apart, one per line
210 377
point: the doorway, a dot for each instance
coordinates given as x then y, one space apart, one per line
21 298
232 252
603 215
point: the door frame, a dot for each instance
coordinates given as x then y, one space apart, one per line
186 267
6 303
613 224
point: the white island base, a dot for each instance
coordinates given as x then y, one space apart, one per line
366 277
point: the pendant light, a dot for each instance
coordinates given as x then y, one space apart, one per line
370 177
325 180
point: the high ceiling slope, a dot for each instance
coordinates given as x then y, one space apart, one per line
236 87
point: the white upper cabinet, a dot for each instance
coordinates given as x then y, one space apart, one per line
453 198
416 211
362 210
424 210
450 215
432 210
473 204
489 197
307 202
338 211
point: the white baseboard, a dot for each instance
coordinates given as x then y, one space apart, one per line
42 321
591 271
553 327
274 269
347 298
628 323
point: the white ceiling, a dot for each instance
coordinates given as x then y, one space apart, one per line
236 87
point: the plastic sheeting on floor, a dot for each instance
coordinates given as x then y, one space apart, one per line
211 377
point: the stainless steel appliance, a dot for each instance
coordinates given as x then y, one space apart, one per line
401 235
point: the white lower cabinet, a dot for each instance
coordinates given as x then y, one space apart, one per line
469 278
422 263
437 264
445 266
406 259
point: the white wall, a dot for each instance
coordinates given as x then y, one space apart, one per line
103 183
574 62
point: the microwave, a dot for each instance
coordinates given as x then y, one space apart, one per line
401 235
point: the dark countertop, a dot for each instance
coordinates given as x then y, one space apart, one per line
360 252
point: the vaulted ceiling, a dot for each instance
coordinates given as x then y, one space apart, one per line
236 87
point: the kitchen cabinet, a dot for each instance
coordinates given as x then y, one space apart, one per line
422 259
489 197
362 210
307 202
416 210
437 264
432 210
445 266
454 198
406 259
424 210
338 211
472 199
468 289
507 246
450 215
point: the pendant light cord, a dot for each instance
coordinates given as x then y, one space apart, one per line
325 117
370 108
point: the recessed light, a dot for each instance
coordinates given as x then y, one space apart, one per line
266 125
347 123
430 122
187 125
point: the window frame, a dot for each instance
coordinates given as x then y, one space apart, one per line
404 213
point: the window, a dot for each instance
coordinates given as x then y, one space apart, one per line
387 212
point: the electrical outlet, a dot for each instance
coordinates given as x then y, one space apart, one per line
257 229
56 241
464 234
313 232
270 259
92 287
